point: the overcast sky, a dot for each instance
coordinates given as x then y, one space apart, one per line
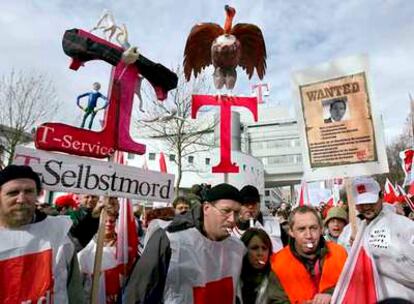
298 34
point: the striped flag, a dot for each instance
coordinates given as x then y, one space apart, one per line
358 282
409 202
127 241
390 193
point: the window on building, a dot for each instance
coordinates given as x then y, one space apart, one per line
151 156
172 157
130 156
244 167
267 192
207 161
191 159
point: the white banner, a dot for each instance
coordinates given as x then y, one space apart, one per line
341 132
66 173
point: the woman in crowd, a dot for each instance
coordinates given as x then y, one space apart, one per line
257 279
335 222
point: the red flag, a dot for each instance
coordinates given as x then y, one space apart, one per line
358 282
404 195
407 157
303 197
127 241
390 194
163 164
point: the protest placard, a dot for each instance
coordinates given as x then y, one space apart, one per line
340 129
66 173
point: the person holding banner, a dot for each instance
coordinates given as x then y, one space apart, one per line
109 286
38 261
308 269
390 239
194 259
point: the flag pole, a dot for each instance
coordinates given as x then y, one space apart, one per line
351 208
98 254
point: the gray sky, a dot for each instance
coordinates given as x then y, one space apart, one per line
298 34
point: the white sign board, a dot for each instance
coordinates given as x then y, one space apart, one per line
66 173
340 129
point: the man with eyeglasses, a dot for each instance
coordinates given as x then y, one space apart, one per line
194 259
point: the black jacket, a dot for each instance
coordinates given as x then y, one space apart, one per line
147 280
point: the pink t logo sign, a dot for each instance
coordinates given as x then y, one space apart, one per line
225 103
115 132
259 88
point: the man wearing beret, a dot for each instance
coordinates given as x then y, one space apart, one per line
37 259
194 259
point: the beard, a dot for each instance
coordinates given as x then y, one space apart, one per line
19 217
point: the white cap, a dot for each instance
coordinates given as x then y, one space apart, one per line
365 190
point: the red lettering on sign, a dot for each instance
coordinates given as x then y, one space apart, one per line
115 133
225 103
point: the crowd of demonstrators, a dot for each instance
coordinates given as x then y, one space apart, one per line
251 216
37 258
214 245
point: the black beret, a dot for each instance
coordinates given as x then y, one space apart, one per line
223 191
250 194
12 172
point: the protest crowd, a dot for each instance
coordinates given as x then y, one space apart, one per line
213 245
105 241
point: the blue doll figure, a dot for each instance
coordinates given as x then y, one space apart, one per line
92 104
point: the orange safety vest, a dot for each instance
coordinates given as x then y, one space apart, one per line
296 280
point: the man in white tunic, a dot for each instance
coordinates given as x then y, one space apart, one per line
390 239
194 259
37 259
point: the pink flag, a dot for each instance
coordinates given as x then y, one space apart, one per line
359 279
303 197
163 164
390 194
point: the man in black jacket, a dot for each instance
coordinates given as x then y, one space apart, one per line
194 257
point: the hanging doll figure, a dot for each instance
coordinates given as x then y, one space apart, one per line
91 109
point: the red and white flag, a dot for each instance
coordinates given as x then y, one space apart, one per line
405 197
127 240
303 196
390 193
407 158
163 163
359 280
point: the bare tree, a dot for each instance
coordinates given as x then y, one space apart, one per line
26 99
402 142
171 121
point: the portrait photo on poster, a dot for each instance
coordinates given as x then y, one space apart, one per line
335 110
